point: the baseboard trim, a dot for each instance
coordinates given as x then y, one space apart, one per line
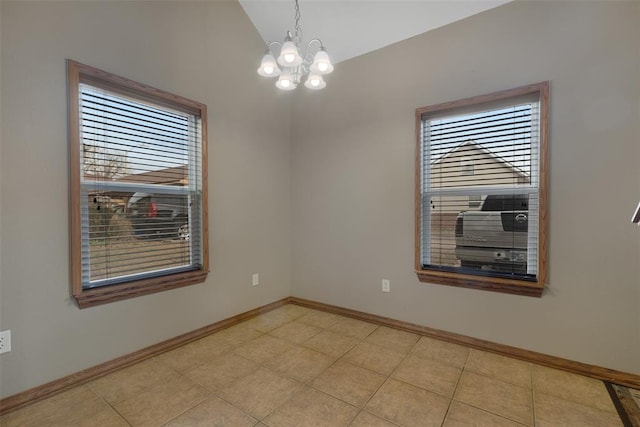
17 401
11 403
592 371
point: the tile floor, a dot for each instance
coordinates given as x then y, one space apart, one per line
299 367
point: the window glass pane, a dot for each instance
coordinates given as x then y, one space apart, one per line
141 184
122 242
479 173
493 238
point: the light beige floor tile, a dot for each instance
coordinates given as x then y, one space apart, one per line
321 319
375 358
331 343
260 392
503 399
312 408
500 367
75 406
193 354
130 381
222 371
461 415
445 352
428 374
294 311
295 331
392 338
107 417
264 348
235 335
213 413
579 389
162 402
353 327
350 383
301 364
552 411
268 321
366 419
104 417
405 404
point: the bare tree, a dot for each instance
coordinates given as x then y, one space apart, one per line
102 163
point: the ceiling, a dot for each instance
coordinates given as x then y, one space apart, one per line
354 27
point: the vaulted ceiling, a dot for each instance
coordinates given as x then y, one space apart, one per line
355 27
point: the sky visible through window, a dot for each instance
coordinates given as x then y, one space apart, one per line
123 137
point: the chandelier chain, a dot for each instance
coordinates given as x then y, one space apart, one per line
298 33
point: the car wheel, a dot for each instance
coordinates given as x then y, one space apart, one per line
183 232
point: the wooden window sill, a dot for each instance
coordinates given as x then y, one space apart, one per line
494 284
107 294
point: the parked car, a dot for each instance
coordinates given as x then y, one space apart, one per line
495 237
159 215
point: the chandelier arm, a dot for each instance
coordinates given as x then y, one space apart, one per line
314 40
309 54
272 43
308 50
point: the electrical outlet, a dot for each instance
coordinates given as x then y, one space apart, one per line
255 279
386 285
5 341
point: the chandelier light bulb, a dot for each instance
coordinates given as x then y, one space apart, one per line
289 56
268 66
321 62
315 82
286 82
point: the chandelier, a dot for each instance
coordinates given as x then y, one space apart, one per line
291 66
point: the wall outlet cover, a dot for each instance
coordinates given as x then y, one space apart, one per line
5 341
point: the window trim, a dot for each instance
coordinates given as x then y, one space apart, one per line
467 280
79 73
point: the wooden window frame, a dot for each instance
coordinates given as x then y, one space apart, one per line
469 280
79 73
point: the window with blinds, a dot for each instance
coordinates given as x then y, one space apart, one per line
482 202
138 193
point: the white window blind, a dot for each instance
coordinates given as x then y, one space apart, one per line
141 188
480 169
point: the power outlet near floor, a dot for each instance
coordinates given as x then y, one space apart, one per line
255 279
386 285
5 341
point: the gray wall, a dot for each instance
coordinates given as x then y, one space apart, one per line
207 51
353 177
343 178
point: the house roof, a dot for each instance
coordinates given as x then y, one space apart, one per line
160 176
489 153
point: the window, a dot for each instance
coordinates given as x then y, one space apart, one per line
482 191
138 188
475 201
466 165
